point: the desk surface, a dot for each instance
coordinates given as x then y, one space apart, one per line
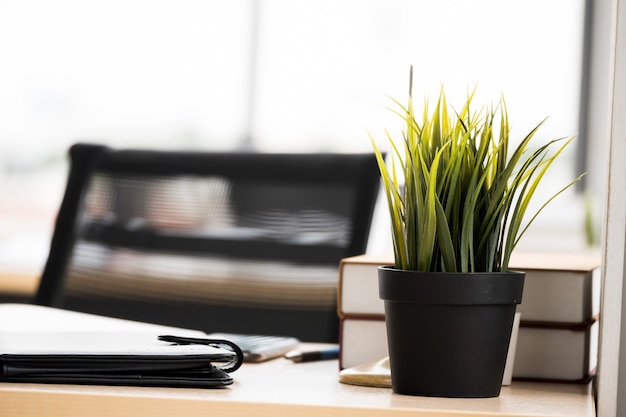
281 388
19 282
275 388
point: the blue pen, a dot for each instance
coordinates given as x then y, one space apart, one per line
313 355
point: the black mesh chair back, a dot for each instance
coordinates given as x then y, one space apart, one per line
219 242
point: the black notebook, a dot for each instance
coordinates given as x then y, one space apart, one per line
43 344
115 358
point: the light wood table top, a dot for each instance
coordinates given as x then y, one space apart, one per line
282 388
19 282
275 388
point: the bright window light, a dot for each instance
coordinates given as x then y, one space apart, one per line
268 75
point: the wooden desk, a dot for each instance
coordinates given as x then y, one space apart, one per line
275 388
281 388
19 283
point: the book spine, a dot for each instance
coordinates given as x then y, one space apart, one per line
361 339
548 352
562 296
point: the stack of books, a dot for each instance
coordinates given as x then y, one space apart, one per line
558 335
362 332
557 339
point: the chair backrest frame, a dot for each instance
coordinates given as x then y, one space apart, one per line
358 171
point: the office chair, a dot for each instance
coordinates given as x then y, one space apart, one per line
219 242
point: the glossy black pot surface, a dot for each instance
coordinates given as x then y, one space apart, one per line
448 333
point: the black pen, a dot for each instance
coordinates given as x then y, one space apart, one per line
313 355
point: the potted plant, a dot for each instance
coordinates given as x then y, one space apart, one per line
457 201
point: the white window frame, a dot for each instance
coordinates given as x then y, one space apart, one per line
611 377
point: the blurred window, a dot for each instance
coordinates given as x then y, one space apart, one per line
269 75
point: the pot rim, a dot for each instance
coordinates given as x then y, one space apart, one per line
394 268
454 288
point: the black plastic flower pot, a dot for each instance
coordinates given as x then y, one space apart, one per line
448 333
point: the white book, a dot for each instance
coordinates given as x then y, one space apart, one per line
557 353
358 286
562 288
559 288
541 353
361 340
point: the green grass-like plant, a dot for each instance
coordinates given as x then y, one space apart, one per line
457 200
